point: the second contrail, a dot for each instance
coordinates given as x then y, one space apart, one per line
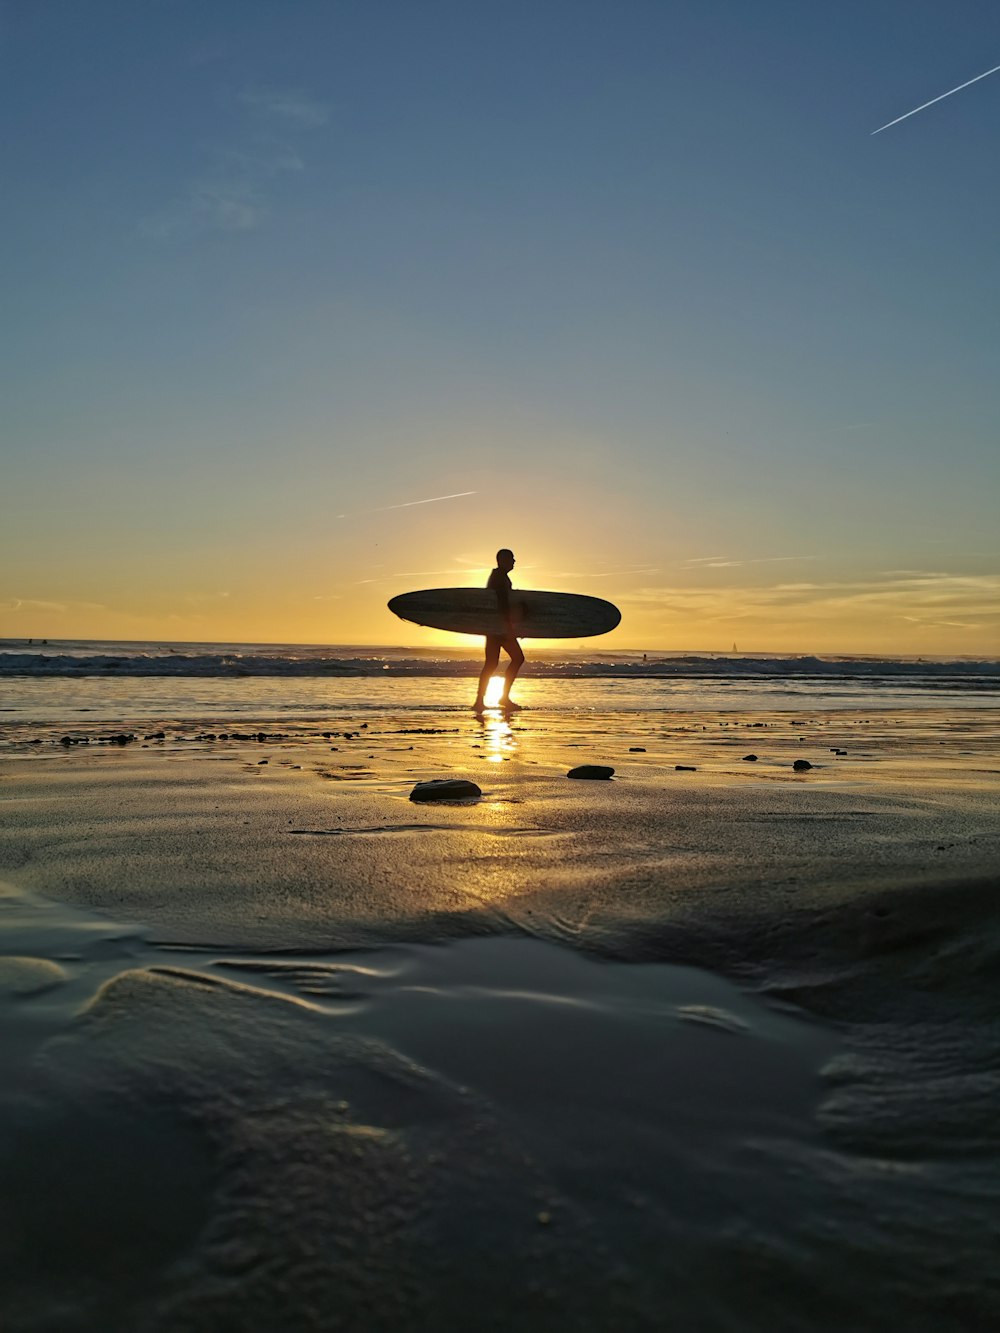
924 105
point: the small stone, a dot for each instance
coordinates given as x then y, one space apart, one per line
261 761
595 771
685 768
801 765
446 789
749 758
637 749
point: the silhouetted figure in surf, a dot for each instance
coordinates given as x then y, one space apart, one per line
499 582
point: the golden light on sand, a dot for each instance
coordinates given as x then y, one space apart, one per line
494 690
499 738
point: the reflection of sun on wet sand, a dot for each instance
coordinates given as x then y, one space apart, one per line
278 1042
494 691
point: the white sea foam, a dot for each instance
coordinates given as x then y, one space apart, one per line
81 658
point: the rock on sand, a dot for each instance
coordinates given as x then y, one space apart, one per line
446 789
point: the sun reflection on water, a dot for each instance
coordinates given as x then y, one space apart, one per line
498 737
494 691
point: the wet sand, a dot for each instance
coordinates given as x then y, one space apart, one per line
286 1050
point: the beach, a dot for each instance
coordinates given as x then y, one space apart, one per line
709 1045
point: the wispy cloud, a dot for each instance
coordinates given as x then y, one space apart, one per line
928 599
724 562
23 604
601 574
201 598
290 105
34 605
235 189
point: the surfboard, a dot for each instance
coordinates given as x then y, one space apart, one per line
537 615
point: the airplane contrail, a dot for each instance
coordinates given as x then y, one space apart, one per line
924 105
408 504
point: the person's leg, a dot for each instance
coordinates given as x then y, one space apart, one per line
513 651
490 665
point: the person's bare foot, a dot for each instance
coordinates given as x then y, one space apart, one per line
509 706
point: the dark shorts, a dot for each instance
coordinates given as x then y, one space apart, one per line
494 642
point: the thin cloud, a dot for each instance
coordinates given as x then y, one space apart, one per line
924 105
608 574
27 605
723 562
15 604
237 187
289 105
932 600
209 205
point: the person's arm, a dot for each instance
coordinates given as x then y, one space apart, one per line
502 589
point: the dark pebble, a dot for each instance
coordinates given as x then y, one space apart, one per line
749 758
801 765
597 771
445 789
261 761
637 749
685 768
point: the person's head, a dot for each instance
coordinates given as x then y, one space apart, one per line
505 559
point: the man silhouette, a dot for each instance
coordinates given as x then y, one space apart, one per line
499 582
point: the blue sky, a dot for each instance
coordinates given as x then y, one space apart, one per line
635 274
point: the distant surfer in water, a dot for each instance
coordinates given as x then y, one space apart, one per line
499 582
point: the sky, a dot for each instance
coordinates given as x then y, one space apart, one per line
631 281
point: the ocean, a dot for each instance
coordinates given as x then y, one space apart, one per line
111 681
